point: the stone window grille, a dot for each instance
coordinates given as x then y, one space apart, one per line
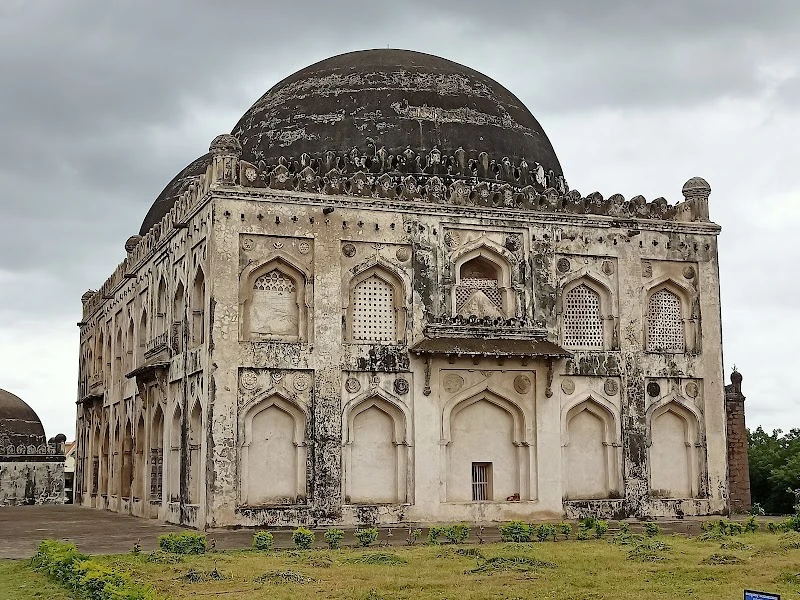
274 281
583 325
468 285
481 482
95 474
374 316
665 323
156 472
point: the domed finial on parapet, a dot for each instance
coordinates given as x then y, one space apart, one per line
132 242
225 144
736 378
696 192
87 295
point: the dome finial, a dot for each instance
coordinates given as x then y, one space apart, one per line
696 192
225 144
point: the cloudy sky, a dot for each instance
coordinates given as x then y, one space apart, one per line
101 103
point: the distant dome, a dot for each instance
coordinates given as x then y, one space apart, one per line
19 424
394 101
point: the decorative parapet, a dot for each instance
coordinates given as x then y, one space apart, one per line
157 344
459 326
30 450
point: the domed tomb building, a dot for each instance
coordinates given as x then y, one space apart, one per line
31 470
377 300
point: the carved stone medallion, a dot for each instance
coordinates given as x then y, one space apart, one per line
688 272
522 384
277 244
249 380
349 250
452 239
452 383
401 386
250 174
653 389
563 265
513 243
248 243
608 267
692 389
647 269
301 381
304 247
568 386
403 253
352 385
611 387
276 376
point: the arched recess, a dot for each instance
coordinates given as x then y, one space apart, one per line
195 456
139 464
93 484
485 432
98 354
161 307
675 449
483 283
377 449
376 305
130 344
142 345
157 455
174 465
119 351
669 323
198 307
272 451
591 449
585 308
105 461
178 318
274 298
126 473
108 359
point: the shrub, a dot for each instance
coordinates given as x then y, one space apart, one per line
366 537
588 522
413 536
624 528
516 531
546 530
583 532
434 533
651 529
333 537
262 540
565 529
773 527
284 577
735 528
600 529
751 524
707 526
379 558
187 542
303 538
792 523
457 534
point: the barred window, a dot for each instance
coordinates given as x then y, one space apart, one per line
481 481
95 474
583 325
665 323
374 317
156 472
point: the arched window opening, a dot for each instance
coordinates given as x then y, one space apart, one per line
175 444
105 463
198 303
127 462
274 308
130 344
98 356
665 322
138 463
583 323
108 357
161 307
478 290
178 319
96 454
374 315
157 455
118 356
195 471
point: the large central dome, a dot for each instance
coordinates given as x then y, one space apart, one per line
392 99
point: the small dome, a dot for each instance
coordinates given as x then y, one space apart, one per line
696 185
87 295
132 242
19 424
224 144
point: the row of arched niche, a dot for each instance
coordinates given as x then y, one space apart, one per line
275 299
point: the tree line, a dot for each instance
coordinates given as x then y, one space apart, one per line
774 470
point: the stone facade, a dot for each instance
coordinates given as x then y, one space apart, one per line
354 337
738 463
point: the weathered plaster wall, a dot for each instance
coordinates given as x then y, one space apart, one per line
31 481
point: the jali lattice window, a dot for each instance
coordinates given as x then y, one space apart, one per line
274 308
374 316
665 323
488 287
583 325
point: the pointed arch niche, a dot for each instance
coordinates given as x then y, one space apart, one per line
675 450
670 323
591 454
483 284
274 298
272 451
377 306
484 427
377 449
585 308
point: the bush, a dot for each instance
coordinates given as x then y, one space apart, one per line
366 537
86 578
262 540
624 528
600 529
516 531
333 537
588 522
434 533
546 530
457 534
565 529
751 524
735 528
187 542
583 532
651 529
792 523
413 536
303 538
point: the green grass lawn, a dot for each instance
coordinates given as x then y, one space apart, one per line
688 568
